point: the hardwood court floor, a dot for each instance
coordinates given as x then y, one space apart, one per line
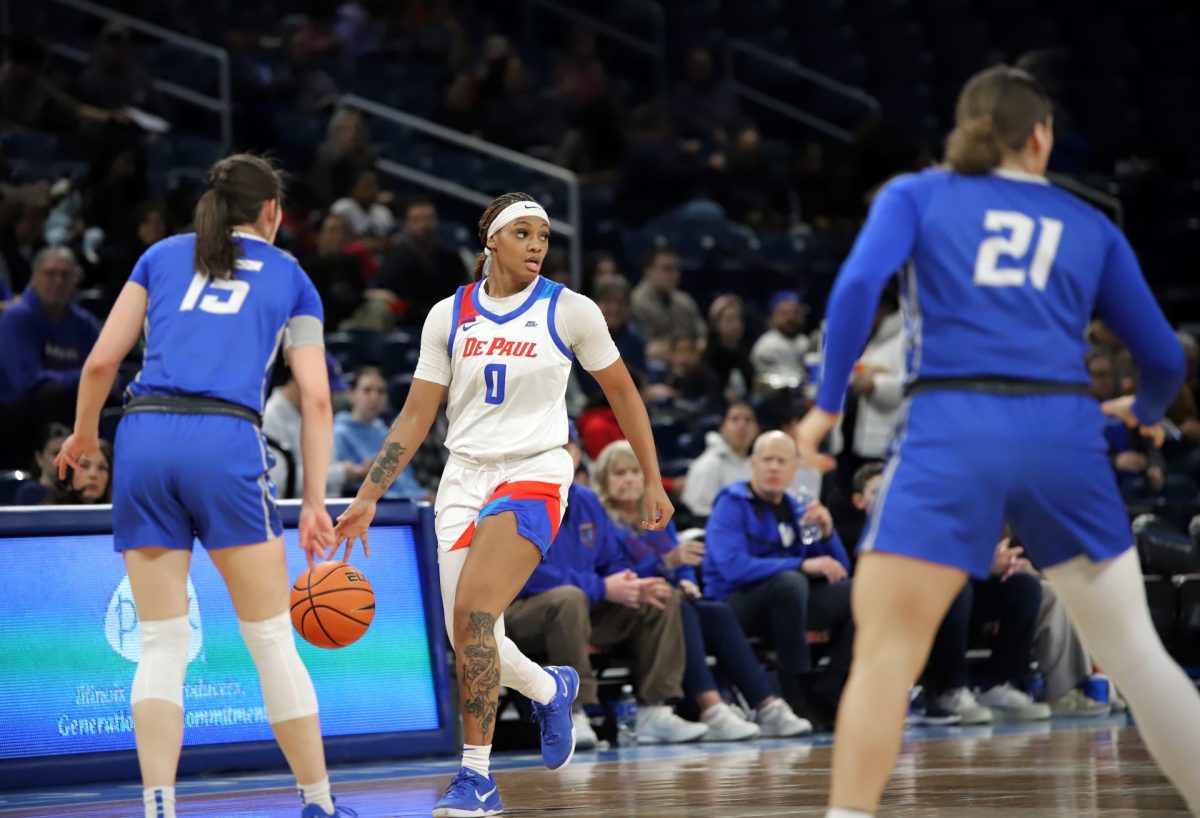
1101 771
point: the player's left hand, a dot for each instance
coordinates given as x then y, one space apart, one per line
815 426
76 446
1122 408
658 508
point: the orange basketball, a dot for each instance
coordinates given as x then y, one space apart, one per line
332 605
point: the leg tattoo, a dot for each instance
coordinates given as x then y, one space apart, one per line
481 671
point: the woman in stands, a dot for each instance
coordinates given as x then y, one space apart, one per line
708 625
502 349
191 462
999 424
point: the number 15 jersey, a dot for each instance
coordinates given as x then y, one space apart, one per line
506 362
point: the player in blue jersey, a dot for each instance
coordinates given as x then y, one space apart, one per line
215 307
1000 273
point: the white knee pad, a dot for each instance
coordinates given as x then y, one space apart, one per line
287 688
164 660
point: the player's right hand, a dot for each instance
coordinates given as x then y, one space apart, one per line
316 533
352 524
1122 408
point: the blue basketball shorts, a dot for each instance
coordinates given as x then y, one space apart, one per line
182 477
964 463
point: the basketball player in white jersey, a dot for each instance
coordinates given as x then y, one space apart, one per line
503 346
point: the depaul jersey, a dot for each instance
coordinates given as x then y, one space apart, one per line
218 339
1000 274
509 375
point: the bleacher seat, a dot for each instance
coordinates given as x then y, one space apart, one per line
356 347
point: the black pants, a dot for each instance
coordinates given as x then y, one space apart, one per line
1013 604
782 609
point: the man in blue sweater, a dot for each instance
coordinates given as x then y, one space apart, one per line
779 586
585 593
44 340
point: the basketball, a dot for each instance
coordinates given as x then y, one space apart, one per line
333 604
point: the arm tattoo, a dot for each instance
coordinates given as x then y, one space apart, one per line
481 672
387 464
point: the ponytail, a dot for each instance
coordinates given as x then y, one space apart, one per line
995 115
973 147
480 261
238 187
216 252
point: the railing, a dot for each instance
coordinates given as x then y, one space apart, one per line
222 104
786 64
1105 201
655 48
570 229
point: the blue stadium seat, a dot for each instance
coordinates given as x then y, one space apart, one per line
355 347
398 386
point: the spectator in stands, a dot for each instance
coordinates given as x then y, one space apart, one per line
21 239
1182 412
359 433
1141 469
365 210
30 101
281 426
419 269
779 586
705 106
659 171
579 75
513 114
878 386
433 33
728 351
586 593
113 79
44 340
346 152
360 29
708 625
660 308
90 484
121 251
693 384
611 294
595 147
749 189
337 275
459 107
50 440
725 460
300 84
118 185
778 354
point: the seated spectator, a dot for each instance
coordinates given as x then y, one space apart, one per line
33 492
118 184
727 350
90 484
459 108
658 171
31 101
611 294
419 269
750 191
579 75
585 592
1141 469
660 308
21 238
705 106
779 586
337 275
346 152
595 147
44 341
359 433
363 209
121 251
513 114
113 79
725 460
692 383
708 625
300 84
282 426
878 383
778 354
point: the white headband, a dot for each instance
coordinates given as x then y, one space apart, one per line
514 211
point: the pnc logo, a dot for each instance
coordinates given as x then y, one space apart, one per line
121 623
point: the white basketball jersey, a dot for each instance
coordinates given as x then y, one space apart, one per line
508 378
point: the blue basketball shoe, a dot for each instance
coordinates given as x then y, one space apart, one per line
469 795
317 811
558 732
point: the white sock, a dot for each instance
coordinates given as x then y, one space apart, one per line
544 688
317 793
846 813
159 802
477 758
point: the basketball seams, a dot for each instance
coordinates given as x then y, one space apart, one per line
341 613
313 606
